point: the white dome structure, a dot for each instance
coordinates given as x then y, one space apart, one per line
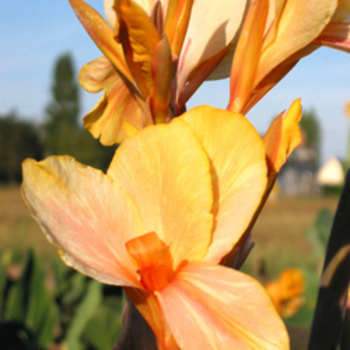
331 174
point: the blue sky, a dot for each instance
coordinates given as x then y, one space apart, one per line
32 36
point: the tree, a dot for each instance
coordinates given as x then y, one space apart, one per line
311 127
18 140
65 104
63 110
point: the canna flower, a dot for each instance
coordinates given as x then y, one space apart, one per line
156 54
275 36
287 292
175 200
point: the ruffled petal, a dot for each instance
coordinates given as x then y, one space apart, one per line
166 172
85 214
212 307
116 106
238 171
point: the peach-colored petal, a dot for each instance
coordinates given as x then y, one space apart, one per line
238 170
212 27
198 76
336 36
299 24
102 34
212 307
166 172
110 12
85 214
116 106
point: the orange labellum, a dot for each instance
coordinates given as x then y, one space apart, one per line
153 260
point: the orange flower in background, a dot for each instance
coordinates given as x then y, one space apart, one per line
175 199
275 36
287 292
155 56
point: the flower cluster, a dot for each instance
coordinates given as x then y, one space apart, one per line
174 211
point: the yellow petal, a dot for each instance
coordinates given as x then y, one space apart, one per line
167 174
238 171
86 214
299 24
342 13
102 34
212 307
116 106
283 137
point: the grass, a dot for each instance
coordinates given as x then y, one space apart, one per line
280 237
18 231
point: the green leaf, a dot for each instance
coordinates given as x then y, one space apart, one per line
83 314
30 302
104 327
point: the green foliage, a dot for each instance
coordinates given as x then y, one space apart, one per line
108 316
15 336
75 312
28 305
63 110
318 234
311 127
18 140
83 313
78 143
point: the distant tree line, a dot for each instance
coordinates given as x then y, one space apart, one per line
60 133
